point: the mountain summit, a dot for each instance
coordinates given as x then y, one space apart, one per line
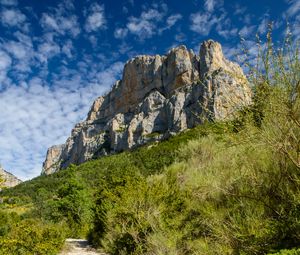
158 96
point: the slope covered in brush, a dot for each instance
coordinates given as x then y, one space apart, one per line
221 188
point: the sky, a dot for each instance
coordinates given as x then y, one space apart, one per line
56 57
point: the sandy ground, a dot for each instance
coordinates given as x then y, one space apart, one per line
78 247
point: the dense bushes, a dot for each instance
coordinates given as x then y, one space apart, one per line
29 236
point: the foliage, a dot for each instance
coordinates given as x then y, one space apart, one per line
30 236
220 188
287 252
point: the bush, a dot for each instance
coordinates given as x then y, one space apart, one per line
31 236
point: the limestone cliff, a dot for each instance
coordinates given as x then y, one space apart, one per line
9 180
158 96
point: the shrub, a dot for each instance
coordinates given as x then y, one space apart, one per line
31 236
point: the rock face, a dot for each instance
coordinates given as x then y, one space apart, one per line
9 179
158 96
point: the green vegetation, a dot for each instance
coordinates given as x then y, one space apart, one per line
29 236
220 188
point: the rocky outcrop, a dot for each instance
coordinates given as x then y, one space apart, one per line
53 160
9 180
158 96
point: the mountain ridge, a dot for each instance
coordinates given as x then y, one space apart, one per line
158 96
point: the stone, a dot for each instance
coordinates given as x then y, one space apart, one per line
9 180
53 158
158 96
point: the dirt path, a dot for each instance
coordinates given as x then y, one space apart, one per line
78 247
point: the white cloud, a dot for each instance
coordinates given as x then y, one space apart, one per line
49 22
171 20
23 38
239 10
230 52
247 31
180 37
262 27
12 17
109 76
95 18
202 23
213 16
9 2
22 54
150 22
18 50
47 50
120 33
61 24
294 8
292 15
227 33
145 26
5 61
68 48
211 5
34 116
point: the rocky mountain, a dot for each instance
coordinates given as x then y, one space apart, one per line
158 96
9 179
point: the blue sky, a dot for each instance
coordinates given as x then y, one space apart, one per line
56 57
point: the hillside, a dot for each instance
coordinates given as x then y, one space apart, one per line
227 186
